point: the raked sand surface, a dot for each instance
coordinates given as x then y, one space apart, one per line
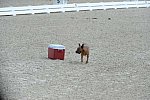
119 63
14 3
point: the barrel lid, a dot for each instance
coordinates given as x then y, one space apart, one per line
56 46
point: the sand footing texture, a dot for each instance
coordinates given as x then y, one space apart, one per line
119 63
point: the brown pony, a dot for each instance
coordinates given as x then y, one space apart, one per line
84 51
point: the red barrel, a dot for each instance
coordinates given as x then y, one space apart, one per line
56 51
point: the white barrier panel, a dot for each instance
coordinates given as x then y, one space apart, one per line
72 7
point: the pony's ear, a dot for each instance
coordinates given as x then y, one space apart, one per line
79 45
82 46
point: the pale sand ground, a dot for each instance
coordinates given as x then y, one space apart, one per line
7 3
118 68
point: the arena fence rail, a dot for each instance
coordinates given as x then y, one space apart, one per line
13 11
